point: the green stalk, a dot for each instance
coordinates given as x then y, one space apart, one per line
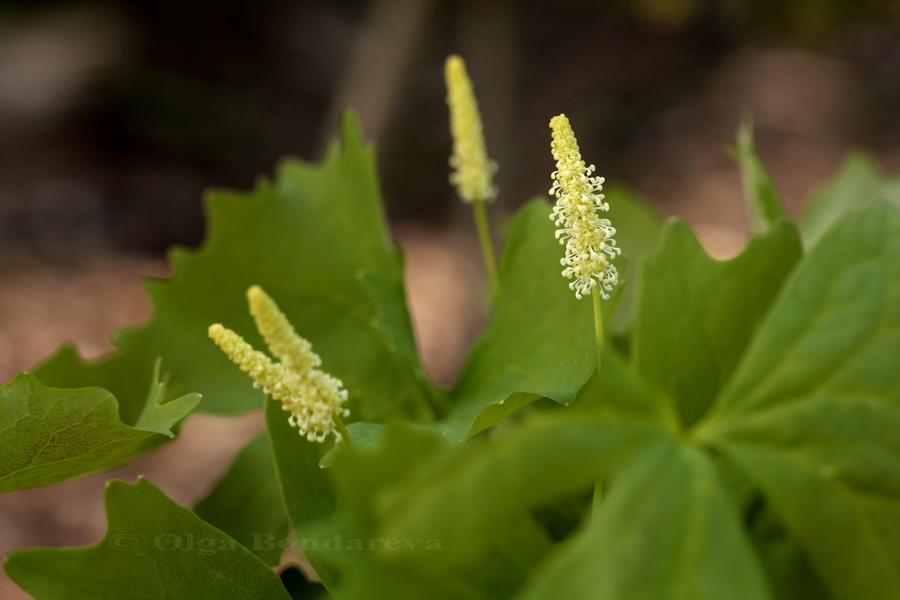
598 325
487 246
598 339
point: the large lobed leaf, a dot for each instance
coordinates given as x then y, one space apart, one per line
813 410
534 343
153 550
667 530
315 239
478 492
695 315
836 325
48 435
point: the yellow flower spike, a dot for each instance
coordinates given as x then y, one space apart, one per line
260 367
314 398
291 349
474 172
588 238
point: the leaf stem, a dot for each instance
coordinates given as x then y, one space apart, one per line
487 246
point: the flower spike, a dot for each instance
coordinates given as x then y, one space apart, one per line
314 398
292 350
588 238
473 176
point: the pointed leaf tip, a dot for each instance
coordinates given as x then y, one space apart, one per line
762 197
49 435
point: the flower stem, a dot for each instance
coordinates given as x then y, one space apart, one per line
598 325
487 246
598 338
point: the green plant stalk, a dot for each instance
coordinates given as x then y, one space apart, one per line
487 246
598 325
598 339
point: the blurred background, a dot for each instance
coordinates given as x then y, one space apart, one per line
115 116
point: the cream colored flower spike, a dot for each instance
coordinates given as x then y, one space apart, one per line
257 365
314 398
474 171
292 350
588 238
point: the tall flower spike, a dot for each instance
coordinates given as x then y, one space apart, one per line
314 398
292 350
474 172
588 238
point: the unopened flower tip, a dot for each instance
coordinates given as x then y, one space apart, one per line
473 171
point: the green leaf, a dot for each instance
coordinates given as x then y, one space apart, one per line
812 414
539 340
496 569
762 197
246 503
159 415
696 315
616 391
850 532
475 495
665 530
48 435
511 365
366 437
374 561
787 567
153 549
315 239
639 226
858 182
498 411
305 488
836 324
